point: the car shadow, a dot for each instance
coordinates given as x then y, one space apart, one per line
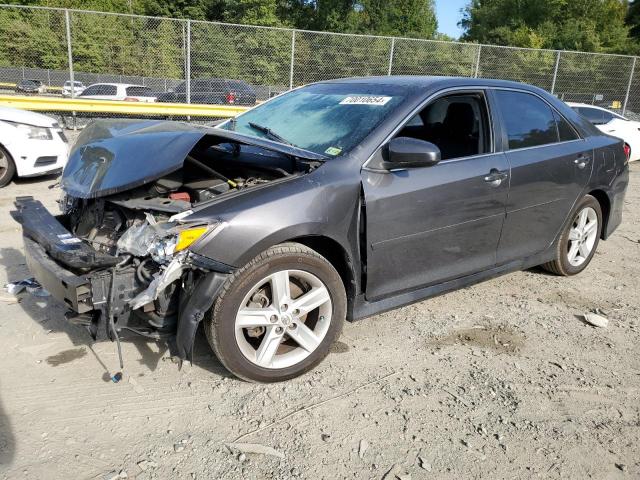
7 439
49 314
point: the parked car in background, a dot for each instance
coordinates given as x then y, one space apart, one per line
334 201
118 91
30 86
613 124
31 144
78 88
216 91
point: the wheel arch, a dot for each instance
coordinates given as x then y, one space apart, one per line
605 205
337 256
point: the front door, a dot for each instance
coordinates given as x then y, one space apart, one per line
432 224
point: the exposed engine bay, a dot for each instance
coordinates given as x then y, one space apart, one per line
141 227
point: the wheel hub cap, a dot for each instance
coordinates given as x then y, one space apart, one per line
582 236
295 319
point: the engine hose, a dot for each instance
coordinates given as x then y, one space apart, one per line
142 274
211 171
124 261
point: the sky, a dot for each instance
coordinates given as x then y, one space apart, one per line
448 12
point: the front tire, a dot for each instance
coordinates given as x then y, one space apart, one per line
277 317
7 167
579 240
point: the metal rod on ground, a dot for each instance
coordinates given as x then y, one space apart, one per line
293 58
555 73
626 98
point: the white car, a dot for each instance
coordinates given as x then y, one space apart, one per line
118 91
31 144
613 124
78 88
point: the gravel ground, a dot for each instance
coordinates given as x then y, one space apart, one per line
501 380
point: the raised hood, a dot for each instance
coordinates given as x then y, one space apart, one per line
112 156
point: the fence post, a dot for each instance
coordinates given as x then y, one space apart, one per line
555 73
477 71
293 57
69 51
626 98
391 51
188 63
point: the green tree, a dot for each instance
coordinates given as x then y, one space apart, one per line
587 25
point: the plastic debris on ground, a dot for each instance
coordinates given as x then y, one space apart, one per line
30 284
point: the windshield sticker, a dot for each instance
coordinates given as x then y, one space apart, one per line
365 100
333 151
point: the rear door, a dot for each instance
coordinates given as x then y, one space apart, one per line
432 224
550 167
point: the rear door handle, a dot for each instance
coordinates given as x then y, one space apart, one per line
582 161
495 177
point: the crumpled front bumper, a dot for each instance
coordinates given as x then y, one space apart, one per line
89 282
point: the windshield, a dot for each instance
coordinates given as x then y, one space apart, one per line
329 119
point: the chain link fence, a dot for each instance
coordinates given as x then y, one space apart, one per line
190 58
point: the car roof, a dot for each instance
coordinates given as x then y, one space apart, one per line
576 104
119 84
425 81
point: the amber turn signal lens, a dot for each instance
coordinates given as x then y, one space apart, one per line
189 236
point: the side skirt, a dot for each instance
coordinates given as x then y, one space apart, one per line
364 308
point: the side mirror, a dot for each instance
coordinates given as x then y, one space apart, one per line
406 152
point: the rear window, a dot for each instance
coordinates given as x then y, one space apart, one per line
139 92
100 90
238 85
595 115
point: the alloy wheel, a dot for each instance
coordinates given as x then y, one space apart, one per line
582 236
283 319
4 163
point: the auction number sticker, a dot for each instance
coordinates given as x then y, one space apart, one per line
365 100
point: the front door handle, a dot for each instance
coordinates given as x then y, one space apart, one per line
582 161
495 177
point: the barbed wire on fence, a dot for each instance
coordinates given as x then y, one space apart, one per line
55 45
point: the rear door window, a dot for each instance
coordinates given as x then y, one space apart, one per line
199 86
139 92
594 115
529 122
566 132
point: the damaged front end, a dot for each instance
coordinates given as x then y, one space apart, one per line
122 254
144 284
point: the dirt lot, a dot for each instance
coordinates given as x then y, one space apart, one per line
502 380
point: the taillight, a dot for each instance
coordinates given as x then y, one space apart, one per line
627 151
231 97
131 99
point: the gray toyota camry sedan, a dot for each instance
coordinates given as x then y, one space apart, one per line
332 202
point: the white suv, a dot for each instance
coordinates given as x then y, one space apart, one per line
78 88
118 91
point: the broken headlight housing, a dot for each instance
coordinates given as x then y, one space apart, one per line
163 249
162 240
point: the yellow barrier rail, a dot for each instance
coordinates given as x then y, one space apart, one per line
51 104
13 85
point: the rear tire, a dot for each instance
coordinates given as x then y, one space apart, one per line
277 317
7 167
579 240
